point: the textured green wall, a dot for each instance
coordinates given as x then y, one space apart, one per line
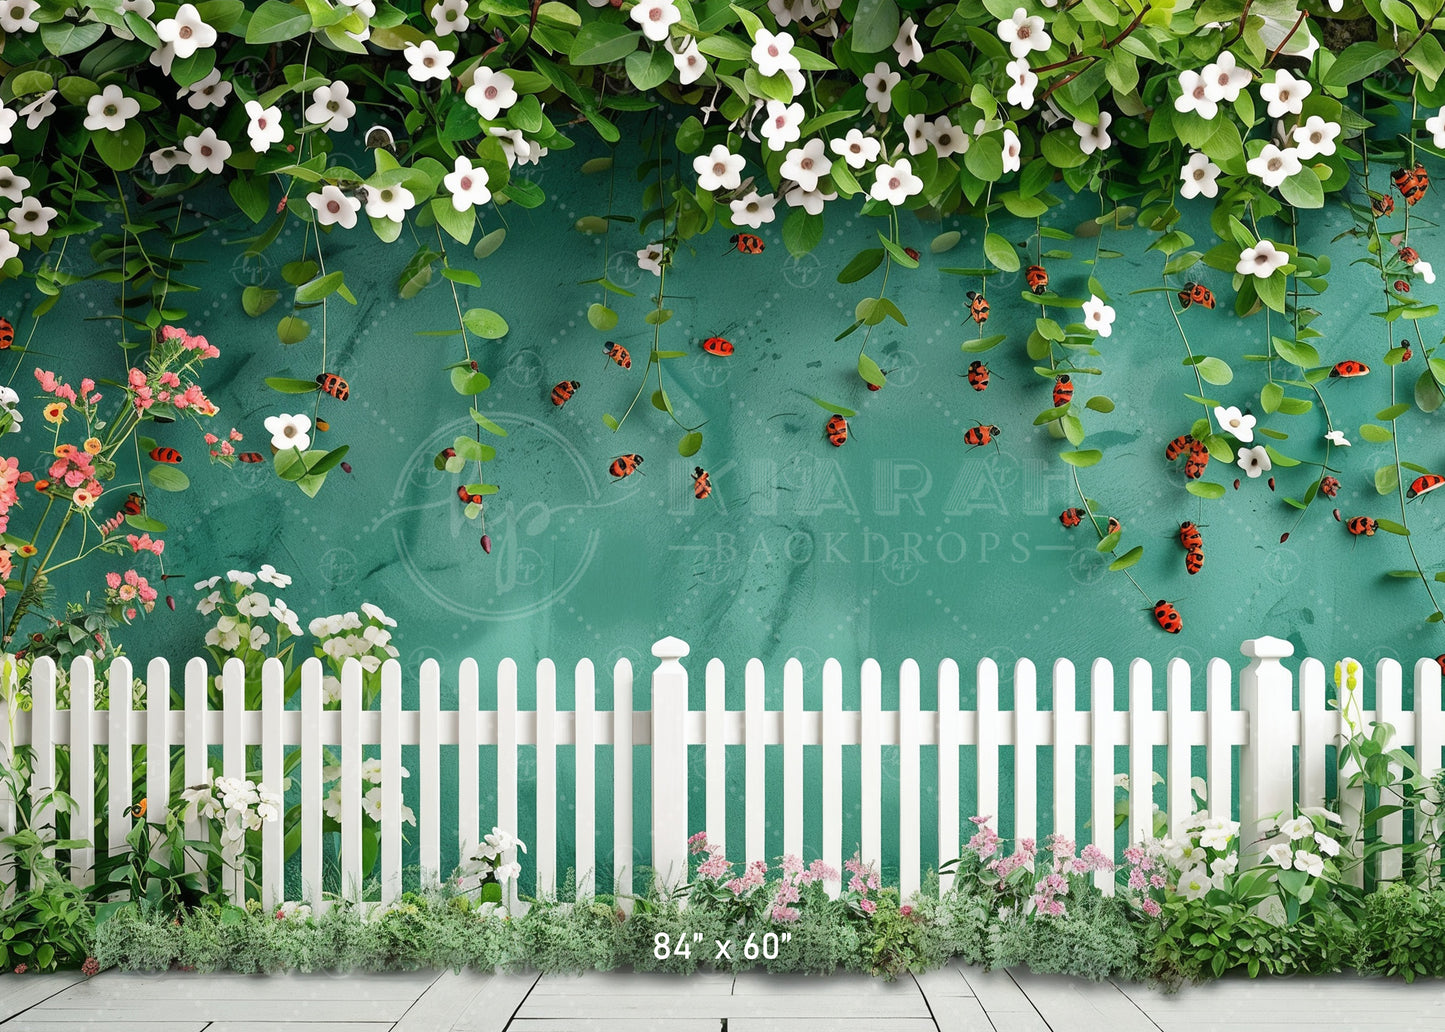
905 542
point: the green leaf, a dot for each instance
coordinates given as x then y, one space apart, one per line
467 381
1387 478
869 371
145 524
1296 352
657 316
1376 434
68 36
287 385
121 149
1000 253
610 421
1108 542
1303 189
489 243
689 135
292 329
601 317
168 478
1128 559
875 26
1270 395
602 42
1205 489
1100 403
1391 527
466 277
256 300
485 323
1359 61
330 460
275 22
945 242
317 289
649 69
976 345
1394 412
802 232
487 425
1087 457
897 253
1215 371
862 264
828 406
690 443
252 195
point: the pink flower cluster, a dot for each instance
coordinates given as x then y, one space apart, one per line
75 467
166 388
51 384
10 475
188 343
1144 873
226 449
755 878
794 877
143 543
123 589
864 879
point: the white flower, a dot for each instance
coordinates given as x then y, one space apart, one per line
1435 124
1232 421
264 126
163 58
782 125
1274 166
259 639
507 872
39 109
947 138
1094 137
688 61
426 61
144 8
915 127
8 119
389 202
655 17
774 53
649 259
108 109
878 86
286 617
811 201
334 207
450 16
856 149
1195 882
491 93
1214 838
804 164
1225 866
31 218
186 32
208 152
753 210
1024 82
1227 77
331 107
288 431
371 804
1328 845
1425 270
253 604
241 577
1023 34
207 92
906 46
1197 94
517 147
721 169
1291 37
1199 176
1098 316
895 183
12 184
1012 149
1260 260
1315 137
1254 461
1281 854
15 16
1311 863
1285 95
468 185
1337 437
1297 828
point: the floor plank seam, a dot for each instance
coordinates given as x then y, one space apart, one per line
934 1017
419 997
37 1003
1137 1006
1032 1004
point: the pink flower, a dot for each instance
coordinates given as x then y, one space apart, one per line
227 448
172 333
715 866
47 380
112 579
169 379
1152 908
130 614
905 910
819 871
1157 880
785 914
696 844
855 884
1095 860
136 377
868 906
980 821
212 439
1137 879
236 436
1061 846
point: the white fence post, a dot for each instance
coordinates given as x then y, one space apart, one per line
1266 761
669 763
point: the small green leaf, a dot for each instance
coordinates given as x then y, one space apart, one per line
1087 457
980 344
828 406
317 289
286 385
690 443
1128 559
489 243
1376 434
145 524
485 323
1100 403
1000 253
292 329
1215 371
869 371
468 382
257 300
601 317
1387 478
610 421
945 242
862 264
487 425
1391 527
657 316
168 478
897 253
1394 412
1205 489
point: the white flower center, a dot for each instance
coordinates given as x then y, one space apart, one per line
719 168
772 50
1024 31
855 148
205 151
894 183
1199 92
333 207
781 122
466 182
387 196
289 431
1274 165
110 109
1316 137
655 14
1198 174
428 60
1261 259
261 122
333 105
31 216
806 164
186 32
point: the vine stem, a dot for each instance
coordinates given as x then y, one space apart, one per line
887 268
466 347
1425 25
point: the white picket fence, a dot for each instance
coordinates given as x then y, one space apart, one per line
1266 727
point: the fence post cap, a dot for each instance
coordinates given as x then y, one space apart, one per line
670 648
1267 648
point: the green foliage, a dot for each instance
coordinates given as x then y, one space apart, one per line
1095 939
1400 933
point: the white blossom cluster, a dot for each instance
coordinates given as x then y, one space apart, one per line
482 862
364 636
371 805
240 805
242 607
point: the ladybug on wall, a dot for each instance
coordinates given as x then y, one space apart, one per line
747 243
166 455
562 393
1329 486
7 333
701 484
1037 278
467 497
1071 518
251 456
1362 525
977 307
1412 183
133 504
1382 205
334 385
717 346
1423 485
1196 294
625 465
982 434
1348 370
978 375
1063 390
1167 617
836 430
618 354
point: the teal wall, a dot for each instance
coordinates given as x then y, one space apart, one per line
905 542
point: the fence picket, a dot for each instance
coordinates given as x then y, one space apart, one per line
391 797
716 756
910 797
1026 751
1141 751
1429 728
1391 827
273 833
351 816
793 758
754 762
832 744
42 738
622 780
119 757
1312 739
585 792
1179 802
468 759
82 768
233 752
1352 800
1219 752
429 700
949 734
197 757
872 762
988 742
669 762
1066 743
546 784
11 737
158 741
507 763
1101 755
312 799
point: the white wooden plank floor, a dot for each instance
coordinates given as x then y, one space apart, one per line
955 998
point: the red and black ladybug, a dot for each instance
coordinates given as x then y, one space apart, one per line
980 435
1037 277
1178 446
1189 536
1405 351
1193 561
1348 369
1440 659
1114 526
334 385
1167 617
625 465
1063 390
251 456
1197 461
747 243
618 354
562 393
1423 485
1329 486
1358 525
167 455
1412 183
977 307
7 333
701 485
978 375
1071 517
912 253
1196 294
717 346
133 504
1382 205
836 430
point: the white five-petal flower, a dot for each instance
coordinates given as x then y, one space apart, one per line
1424 270
186 32
110 109
334 207
1023 33
1254 461
1199 176
31 218
1261 260
688 60
1024 82
773 53
782 125
915 127
389 202
1232 421
895 183
1094 137
12 184
1099 316
720 169
1226 75
426 60
1197 94
39 109
208 152
655 17
805 164
811 201
331 106
754 210
15 16
288 431
1316 137
946 137
856 148
1012 149
649 259
467 184
8 249
878 86
263 125
1285 95
491 93
167 158
1435 125
207 92
1273 166
450 16
906 46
